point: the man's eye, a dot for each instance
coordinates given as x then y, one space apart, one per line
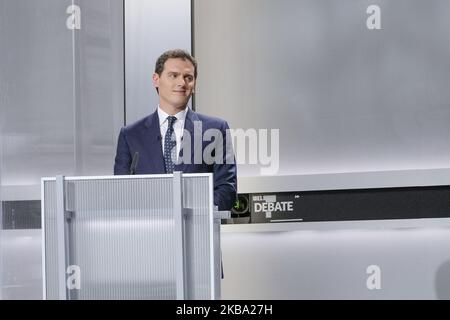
171 76
189 78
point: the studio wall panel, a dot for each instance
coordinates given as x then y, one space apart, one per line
346 97
62 90
37 89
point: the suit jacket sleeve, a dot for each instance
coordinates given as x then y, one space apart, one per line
225 174
123 156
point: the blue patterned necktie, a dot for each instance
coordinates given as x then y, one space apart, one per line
169 145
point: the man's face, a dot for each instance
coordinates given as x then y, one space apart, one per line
175 84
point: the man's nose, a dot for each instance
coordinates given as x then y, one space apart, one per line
181 82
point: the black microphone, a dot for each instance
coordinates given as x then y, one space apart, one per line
134 163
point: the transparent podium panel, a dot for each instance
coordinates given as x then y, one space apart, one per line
130 237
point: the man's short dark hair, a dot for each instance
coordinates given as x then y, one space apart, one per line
174 54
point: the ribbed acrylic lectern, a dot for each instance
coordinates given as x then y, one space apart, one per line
131 237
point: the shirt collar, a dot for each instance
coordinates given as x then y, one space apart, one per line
162 115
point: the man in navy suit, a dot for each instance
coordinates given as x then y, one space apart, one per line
168 139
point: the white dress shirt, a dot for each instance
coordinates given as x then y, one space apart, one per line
178 126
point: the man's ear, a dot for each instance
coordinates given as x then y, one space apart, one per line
155 80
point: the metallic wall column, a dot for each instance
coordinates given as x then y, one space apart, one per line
151 27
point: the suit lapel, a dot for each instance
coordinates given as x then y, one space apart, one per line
155 154
194 131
